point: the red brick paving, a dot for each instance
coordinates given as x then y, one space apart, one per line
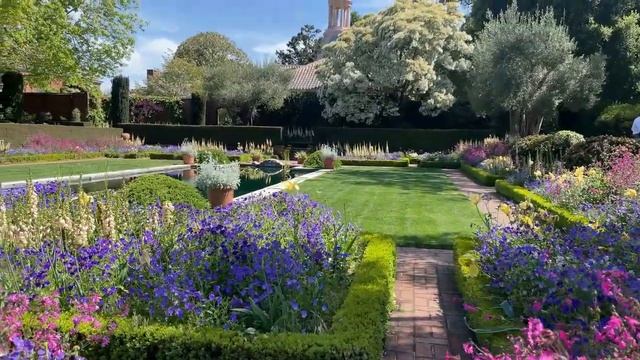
423 327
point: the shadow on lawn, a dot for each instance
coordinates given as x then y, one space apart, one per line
408 179
443 240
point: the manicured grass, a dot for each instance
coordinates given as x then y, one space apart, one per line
66 168
417 207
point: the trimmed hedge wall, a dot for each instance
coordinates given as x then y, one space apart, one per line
18 134
399 139
474 291
440 164
517 193
17 159
358 329
388 163
229 135
478 175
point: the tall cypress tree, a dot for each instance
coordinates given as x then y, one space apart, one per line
119 110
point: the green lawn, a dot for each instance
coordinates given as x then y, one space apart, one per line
417 207
38 171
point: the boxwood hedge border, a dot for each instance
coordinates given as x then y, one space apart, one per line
384 163
358 329
479 176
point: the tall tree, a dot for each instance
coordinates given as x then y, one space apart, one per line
78 41
303 48
595 25
178 78
403 55
243 88
525 64
209 49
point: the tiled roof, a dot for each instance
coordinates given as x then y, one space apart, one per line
304 76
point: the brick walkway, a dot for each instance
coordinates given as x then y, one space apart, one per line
429 320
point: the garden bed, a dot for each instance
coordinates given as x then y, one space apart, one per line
357 333
439 164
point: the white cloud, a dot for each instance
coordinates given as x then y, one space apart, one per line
269 48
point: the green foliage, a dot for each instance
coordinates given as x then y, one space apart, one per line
75 41
242 88
421 140
209 49
228 135
565 218
617 119
545 147
315 161
478 175
120 106
387 163
358 328
214 155
150 189
16 159
172 105
178 78
475 291
214 175
525 64
198 109
405 54
599 150
303 48
163 156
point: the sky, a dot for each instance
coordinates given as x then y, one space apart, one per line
259 27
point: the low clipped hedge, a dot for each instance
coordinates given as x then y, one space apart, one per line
17 159
491 328
517 193
440 164
165 156
228 135
358 329
150 189
388 163
479 176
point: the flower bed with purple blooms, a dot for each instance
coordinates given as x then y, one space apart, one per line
277 264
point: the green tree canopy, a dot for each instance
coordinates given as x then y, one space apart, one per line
243 88
303 48
606 26
209 49
78 41
401 55
525 64
178 78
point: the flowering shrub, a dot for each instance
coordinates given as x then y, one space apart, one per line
500 166
474 155
277 264
624 172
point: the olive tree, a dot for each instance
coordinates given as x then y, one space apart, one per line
525 64
402 55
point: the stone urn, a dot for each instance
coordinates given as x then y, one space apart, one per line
220 197
328 163
188 159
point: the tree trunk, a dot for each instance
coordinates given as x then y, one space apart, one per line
514 123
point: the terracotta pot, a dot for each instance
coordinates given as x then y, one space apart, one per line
220 197
126 136
188 175
328 163
188 159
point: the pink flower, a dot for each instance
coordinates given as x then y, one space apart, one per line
537 306
468 348
470 308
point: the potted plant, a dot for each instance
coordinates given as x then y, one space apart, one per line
188 152
301 156
328 156
219 182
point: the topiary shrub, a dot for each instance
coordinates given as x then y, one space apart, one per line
215 155
119 109
11 97
530 146
150 189
617 119
315 161
600 150
198 110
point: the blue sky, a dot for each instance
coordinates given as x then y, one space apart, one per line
259 27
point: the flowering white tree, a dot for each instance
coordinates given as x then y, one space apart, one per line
401 55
